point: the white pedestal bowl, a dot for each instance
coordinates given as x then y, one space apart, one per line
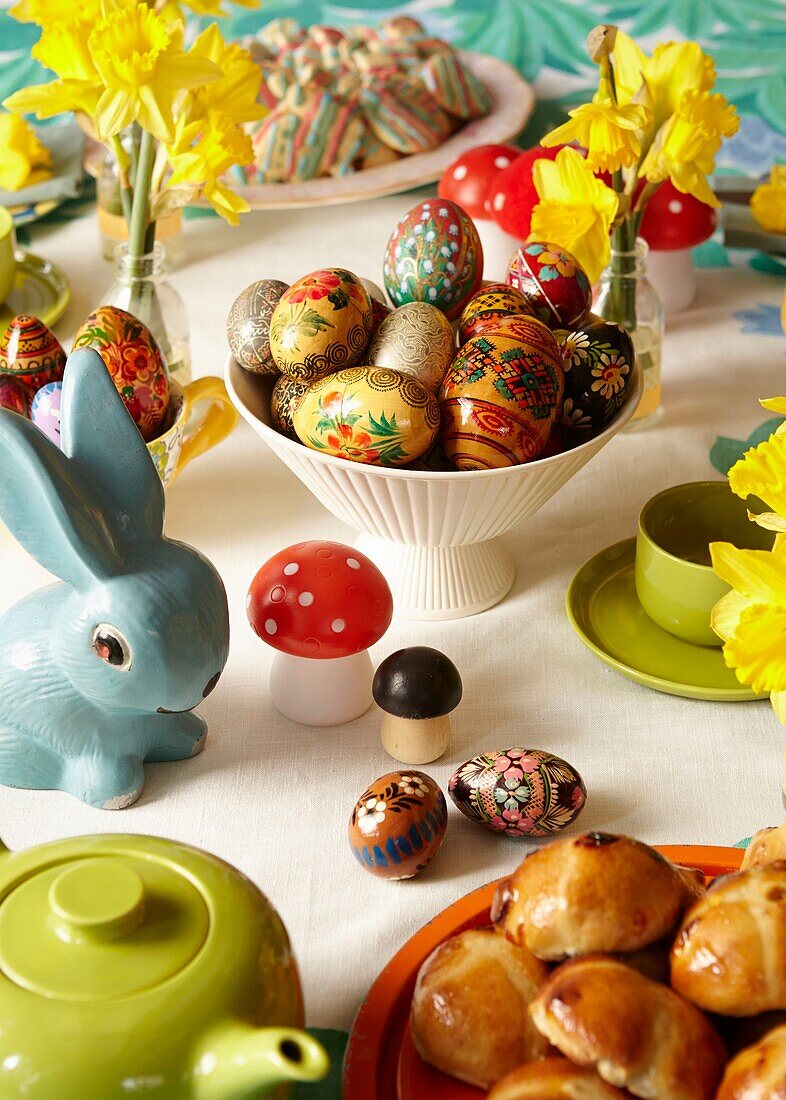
433 534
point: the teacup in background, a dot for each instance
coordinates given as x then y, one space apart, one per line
201 416
675 582
7 254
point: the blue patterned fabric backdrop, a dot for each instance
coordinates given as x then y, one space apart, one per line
545 40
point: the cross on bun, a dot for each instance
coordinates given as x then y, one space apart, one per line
758 1073
469 1010
637 1034
594 892
554 1079
767 846
729 956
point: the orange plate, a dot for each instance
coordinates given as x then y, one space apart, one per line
381 1062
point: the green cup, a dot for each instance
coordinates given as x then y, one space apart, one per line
674 579
7 254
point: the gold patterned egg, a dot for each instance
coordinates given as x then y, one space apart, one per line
501 396
321 324
284 399
493 301
416 339
248 325
368 414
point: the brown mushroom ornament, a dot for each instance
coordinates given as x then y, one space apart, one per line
416 688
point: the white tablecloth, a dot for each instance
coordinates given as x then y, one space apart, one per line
273 798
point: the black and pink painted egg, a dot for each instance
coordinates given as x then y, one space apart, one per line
519 792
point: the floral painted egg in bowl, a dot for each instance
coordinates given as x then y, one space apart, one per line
597 361
553 282
518 792
132 357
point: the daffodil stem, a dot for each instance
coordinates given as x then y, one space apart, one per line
124 183
140 211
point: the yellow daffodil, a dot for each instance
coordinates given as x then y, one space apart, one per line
660 81
575 210
23 159
608 133
62 48
685 149
751 619
235 93
47 13
768 201
143 67
203 152
214 7
761 473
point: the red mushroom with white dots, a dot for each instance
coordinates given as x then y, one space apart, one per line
321 605
467 181
672 225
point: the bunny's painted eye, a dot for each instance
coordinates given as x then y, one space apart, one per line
110 645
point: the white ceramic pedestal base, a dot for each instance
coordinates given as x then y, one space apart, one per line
442 582
321 693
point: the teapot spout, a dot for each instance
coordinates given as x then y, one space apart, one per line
4 849
239 1061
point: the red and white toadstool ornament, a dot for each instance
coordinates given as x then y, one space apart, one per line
321 605
467 181
512 196
672 225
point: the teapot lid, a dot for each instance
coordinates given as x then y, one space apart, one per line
100 927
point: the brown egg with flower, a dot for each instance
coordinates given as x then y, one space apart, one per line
132 357
398 824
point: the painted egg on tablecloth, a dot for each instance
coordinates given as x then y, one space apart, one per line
45 410
416 339
598 363
15 395
367 414
501 396
285 398
321 324
31 352
132 357
493 301
398 824
518 792
434 255
248 325
553 282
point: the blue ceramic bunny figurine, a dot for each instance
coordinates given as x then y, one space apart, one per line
101 672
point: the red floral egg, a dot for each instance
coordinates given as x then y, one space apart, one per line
553 282
434 255
132 357
31 352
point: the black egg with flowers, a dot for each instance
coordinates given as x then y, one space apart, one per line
598 362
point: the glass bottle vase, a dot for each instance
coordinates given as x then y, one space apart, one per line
141 288
626 296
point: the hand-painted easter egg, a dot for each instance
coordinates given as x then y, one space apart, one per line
248 325
132 357
434 255
15 395
501 396
492 301
321 324
31 352
553 282
285 398
598 363
398 824
416 339
45 410
367 414
518 792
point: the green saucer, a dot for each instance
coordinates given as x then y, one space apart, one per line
40 289
605 612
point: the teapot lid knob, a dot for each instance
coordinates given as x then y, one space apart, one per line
97 899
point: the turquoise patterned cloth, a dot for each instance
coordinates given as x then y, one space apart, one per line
545 40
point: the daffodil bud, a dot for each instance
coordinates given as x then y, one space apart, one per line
600 42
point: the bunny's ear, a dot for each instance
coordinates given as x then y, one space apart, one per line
48 508
106 449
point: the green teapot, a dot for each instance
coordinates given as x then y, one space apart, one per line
132 965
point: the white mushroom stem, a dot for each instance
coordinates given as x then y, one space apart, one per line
415 740
321 693
674 278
